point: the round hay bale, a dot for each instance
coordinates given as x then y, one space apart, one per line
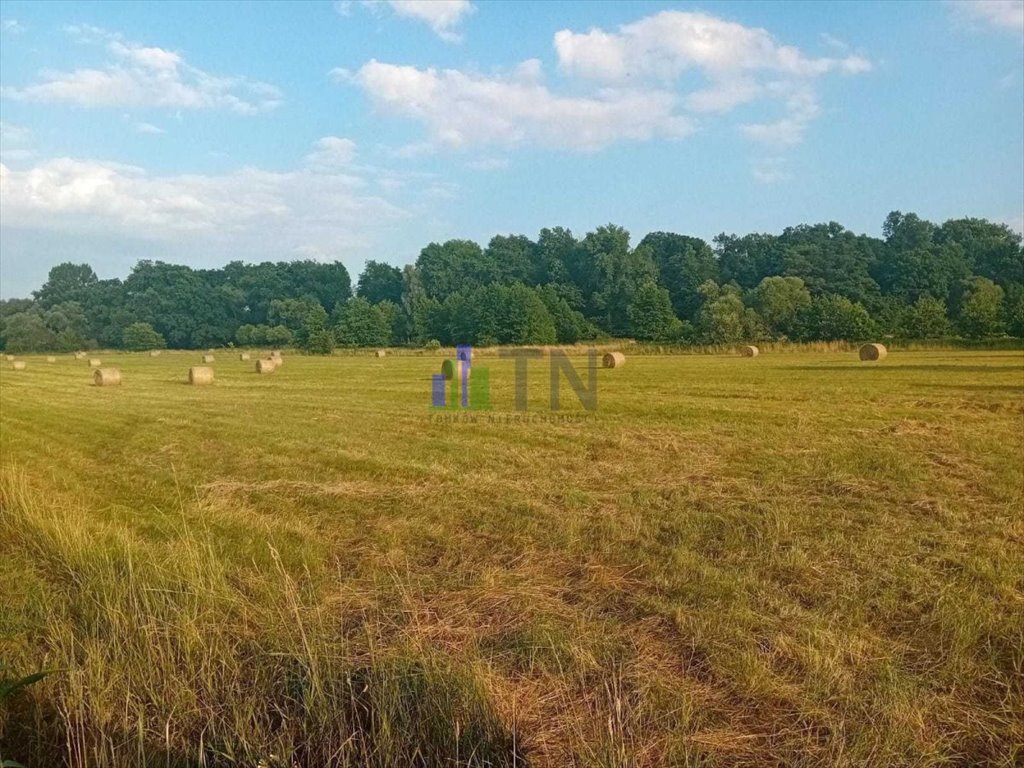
199 374
453 369
106 377
243 356
207 358
266 365
381 353
79 355
873 352
18 365
154 353
94 362
275 353
613 360
9 358
51 359
750 351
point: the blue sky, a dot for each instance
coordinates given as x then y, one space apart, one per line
201 133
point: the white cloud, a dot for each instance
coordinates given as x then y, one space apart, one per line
15 142
740 64
13 26
148 128
801 104
488 163
668 43
331 152
1002 14
246 210
443 16
460 108
144 76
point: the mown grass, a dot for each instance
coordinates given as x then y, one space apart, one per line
795 560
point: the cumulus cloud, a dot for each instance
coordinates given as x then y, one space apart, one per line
144 76
443 16
331 152
668 43
740 64
148 128
1006 15
621 85
248 209
460 108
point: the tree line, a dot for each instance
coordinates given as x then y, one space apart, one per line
963 278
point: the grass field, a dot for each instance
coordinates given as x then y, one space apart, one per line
798 559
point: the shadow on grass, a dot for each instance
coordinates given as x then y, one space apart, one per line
890 368
1017 389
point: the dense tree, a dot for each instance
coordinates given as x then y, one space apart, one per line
66 282
817 281
981 309
380 282
684 264
650 314
358 323
926 318
514 258
833 318
140 336
747 260
453 267
721 316
778 300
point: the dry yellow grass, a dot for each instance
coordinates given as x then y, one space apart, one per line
803 562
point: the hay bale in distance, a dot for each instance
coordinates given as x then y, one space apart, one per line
51 359
79 355
94 362
9 358
750 351
106 377
381 353
266 365
453 369
243 356
154 353
873 352
199 374
18 365
613 360
207 358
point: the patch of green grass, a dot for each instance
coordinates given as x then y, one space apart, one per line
798 559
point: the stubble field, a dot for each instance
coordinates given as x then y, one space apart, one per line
798 559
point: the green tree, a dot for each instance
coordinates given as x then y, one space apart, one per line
833 318
514 258
279 336
27 332
981 309
651 317
358 323
300 316
570 326
380 282
66 282
926 318
684 264
778 301
140 336
722 314
453 267
1014 309
747 260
